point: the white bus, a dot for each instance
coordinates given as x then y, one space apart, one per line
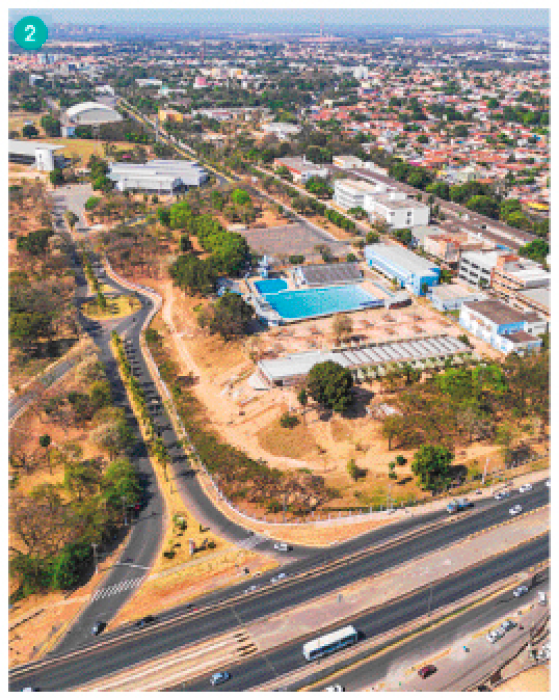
321 646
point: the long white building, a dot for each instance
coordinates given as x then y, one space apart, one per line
162 176
351 194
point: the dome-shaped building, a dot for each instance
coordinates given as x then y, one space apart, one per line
88 114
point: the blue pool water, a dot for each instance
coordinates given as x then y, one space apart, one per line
271 286
307 303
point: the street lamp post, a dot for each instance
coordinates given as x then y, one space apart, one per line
124 511
94 547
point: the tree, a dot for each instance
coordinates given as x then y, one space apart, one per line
330 384
432 465
354 471
506 436
71 218
537 250
45 442
51 125
29 131
303 398
240 197
392 470
102 183
231 316
485 205
342 326
56 177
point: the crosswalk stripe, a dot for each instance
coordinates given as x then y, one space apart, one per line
116 588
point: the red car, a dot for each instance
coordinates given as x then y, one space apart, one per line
427 671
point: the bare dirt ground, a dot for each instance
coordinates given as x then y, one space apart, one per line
248 418
533 680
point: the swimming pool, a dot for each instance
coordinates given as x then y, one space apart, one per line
308 303
271 286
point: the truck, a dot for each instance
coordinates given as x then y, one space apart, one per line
459 504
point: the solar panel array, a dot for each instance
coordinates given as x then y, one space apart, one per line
338 273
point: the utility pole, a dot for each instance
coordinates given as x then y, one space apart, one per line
284 506
484 471
94 546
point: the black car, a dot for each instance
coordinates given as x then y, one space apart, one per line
147 620
97 628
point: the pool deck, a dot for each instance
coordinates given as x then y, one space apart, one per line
273 317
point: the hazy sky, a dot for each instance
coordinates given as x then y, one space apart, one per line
303 18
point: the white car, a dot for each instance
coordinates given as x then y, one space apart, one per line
336 688
251 589
524 488
548 483
282 547
501 494
520 591
515 510
278 578
508 625
495 635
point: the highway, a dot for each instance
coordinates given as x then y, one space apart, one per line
305 581
257 670
418 649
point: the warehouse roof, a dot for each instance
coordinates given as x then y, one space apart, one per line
300 364
401 257
28 148
330 274
500 313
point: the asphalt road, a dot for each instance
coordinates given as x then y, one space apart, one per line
18 403
418 649
288 658
147 530
179 628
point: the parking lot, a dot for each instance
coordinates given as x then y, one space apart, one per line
293 239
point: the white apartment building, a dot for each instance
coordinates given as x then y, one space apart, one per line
397 210
350 194
281 130
476 267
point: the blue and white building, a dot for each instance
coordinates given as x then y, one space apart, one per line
504 328
411 271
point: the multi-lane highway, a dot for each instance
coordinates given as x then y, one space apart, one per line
418 649
305 581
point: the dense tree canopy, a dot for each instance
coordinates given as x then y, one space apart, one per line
330 384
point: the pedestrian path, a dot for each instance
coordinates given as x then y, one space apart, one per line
117 588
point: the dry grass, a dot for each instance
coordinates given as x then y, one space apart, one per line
16 121
295 443
117 307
